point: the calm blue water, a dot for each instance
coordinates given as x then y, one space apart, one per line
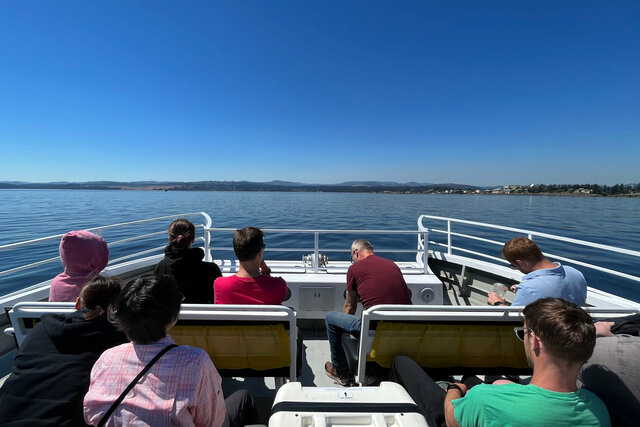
29 214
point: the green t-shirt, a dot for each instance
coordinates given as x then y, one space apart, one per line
522 405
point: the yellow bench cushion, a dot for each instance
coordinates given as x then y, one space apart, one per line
448 345
258 347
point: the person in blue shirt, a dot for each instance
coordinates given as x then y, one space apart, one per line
542 278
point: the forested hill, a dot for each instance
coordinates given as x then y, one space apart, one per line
346 187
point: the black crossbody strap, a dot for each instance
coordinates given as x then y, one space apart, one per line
126 391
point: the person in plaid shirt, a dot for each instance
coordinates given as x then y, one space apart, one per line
182 388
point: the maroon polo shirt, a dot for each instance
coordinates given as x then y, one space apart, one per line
377 281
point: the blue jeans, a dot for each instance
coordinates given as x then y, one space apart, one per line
337 324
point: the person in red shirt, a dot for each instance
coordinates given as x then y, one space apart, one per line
374 280
253 284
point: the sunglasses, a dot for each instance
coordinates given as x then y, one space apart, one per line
521 331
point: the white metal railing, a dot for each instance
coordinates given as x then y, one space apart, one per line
449 247
317 249
99 230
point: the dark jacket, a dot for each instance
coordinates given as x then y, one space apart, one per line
194 276
52 370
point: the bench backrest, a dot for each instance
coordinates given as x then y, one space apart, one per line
242 340
457 339
245 340
25 315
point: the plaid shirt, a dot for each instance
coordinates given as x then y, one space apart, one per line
181 388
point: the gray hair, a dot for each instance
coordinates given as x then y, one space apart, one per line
361 244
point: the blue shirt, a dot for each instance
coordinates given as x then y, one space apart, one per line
560 282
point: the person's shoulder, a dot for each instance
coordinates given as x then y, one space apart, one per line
572 271
160 266
213 268
277 279
589 396
384 261
593 402
116 352
483 390
193 355
225 281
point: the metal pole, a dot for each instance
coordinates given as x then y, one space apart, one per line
316 251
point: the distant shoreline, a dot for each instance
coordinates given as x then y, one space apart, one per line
306 188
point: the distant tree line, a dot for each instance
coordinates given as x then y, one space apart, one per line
577 189
603 190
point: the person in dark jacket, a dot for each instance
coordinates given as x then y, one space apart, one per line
195 277
52 367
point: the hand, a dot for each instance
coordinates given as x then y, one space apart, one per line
265 268
494 298
603 329
513 288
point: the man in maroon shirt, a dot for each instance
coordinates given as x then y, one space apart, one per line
376 281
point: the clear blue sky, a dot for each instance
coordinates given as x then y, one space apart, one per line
474 92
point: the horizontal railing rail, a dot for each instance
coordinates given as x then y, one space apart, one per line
317 249
449 247
99 230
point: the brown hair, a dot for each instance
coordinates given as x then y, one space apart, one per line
182 233
98 295
247 242
523 249
566 330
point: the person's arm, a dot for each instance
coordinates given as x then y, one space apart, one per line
208 400
449 410
523 298
214 273
350 302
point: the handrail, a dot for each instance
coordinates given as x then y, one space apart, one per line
530 234
104 227
316 250
98 231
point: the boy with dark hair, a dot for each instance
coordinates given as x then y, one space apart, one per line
253 283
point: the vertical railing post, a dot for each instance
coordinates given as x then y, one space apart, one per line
316 251
425 254
207 236
449 237
207 245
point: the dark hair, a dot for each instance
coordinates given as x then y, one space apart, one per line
523 249
566 330
146 306
98 295
247 242
182 233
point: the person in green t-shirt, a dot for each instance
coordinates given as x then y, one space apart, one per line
558 338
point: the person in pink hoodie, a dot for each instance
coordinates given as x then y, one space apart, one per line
83 256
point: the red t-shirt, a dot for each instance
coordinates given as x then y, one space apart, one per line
377 281
249 290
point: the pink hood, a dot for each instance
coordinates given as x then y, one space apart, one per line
83 255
